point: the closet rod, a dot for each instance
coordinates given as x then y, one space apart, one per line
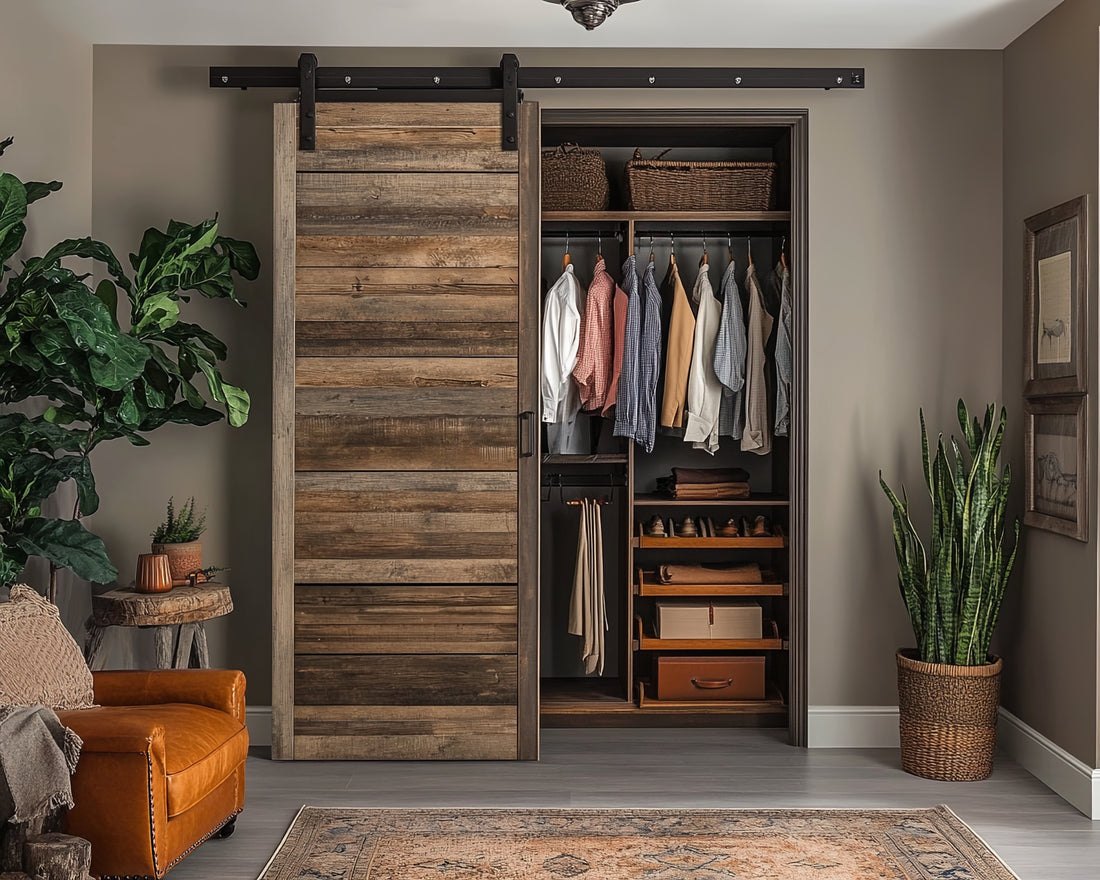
582 481
661 237
583 236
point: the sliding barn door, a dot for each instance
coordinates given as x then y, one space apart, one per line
405 446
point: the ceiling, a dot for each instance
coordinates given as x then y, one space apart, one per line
843 24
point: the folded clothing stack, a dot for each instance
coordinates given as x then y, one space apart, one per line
741 573
692 484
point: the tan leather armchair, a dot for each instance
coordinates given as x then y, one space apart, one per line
162 768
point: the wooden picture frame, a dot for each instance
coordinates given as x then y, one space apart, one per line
1056 465
1055 300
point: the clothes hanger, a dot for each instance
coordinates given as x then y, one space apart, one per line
703 261
566 259
783 252
599 246
651 249
671 249
750 253
729 244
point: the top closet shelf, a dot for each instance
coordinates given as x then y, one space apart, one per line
669 216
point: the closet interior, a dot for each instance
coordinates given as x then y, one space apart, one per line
744 550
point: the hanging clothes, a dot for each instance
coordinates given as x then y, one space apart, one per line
783 354
593 370
588 604
730 352
758 435
561 323
704 391
620 304
626 402
681 335
649 361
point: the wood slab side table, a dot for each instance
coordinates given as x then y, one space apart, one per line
177 618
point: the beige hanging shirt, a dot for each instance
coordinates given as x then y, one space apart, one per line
757 437
681 336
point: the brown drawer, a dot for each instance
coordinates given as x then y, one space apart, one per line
710 678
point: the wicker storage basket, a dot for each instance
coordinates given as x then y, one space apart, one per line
574 179
669 185
948 718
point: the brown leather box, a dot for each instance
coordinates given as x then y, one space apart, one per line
710 678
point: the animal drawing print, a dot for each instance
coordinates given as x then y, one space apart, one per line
1052 485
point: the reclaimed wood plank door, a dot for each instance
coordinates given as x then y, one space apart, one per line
405 469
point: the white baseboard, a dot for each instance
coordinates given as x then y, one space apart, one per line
1068 777
853 727
258 721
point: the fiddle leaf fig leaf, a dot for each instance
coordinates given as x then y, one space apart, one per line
13 210
36 190
67 543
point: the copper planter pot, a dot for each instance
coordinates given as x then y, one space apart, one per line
153 574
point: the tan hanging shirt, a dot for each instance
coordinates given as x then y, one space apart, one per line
758 435
681 335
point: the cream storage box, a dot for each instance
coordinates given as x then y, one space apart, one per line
709 620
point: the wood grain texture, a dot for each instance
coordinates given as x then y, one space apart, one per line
405 679
382 401
361 443
401 279
410 372
395 251
405 535
380 195
472 492
184 604
400 620
413 114
282 435
391 156
529 401
405 571
494 305
407 732
406 338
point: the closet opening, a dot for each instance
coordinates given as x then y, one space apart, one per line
687 535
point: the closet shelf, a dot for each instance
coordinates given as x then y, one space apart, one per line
645 585
751 501
645 543
773 702
600 458
668 216
646 642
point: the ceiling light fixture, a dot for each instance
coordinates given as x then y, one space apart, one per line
591 13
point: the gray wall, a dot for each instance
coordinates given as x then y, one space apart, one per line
906 263
52 127
1050 155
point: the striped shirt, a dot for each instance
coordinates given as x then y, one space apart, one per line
729 358
649 361
626 404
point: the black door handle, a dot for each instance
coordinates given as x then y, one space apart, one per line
527 440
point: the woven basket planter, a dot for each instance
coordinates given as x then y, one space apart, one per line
948 718
182 559
670 185
574 179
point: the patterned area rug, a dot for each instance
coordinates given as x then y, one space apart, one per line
351 844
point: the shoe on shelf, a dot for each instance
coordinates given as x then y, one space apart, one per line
655 528
762 527
728 529
686 528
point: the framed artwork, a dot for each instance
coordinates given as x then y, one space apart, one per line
1055 297
1056 465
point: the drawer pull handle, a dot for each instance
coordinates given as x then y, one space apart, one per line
712 683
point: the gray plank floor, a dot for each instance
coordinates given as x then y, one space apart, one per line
1035 832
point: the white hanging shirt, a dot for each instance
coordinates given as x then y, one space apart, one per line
561 329
704 391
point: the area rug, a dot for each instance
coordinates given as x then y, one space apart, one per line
354 844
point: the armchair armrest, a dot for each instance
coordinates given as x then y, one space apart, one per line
221 689
107 732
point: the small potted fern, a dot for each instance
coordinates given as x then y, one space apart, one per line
949 686
177 537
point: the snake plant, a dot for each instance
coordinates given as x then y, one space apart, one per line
953 588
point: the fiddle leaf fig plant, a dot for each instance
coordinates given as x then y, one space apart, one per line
104 376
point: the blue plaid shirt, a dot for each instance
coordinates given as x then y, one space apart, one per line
649 361
626 403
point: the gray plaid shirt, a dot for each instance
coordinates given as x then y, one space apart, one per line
729 358
649 361
626 402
